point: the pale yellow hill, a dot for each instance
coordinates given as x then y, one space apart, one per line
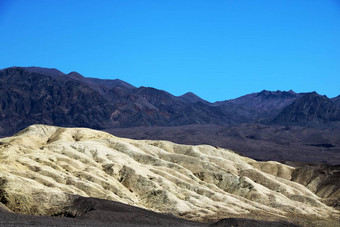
41 166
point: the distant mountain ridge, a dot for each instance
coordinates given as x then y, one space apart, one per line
261 105
31 95
266 101
55 73
336 100
27 97
311 109
45 71
100 85
192 98
37 95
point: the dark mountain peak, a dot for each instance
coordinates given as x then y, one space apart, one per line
310 109
260 105
153 93
191 98
45 71
146 90
120 83
23 73
189 94
151 90
311 95
336 100
275 94
266 100
51 72
75 75
14 68
93 82
110 83
143 88
337 97
97 84
265 92
28 97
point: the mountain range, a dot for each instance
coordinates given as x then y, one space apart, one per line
35 95
40 95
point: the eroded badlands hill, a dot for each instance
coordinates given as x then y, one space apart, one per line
43 167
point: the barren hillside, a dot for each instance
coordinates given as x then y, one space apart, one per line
42 168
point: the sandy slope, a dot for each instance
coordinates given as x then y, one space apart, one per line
43 166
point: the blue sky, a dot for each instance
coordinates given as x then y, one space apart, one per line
218 49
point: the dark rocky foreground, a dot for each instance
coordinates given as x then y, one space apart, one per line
98 212
243 222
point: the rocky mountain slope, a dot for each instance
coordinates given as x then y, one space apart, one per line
48 96
336 100
76 76
42 168
261 105
27 98
38 95
257 124
191 98
312 110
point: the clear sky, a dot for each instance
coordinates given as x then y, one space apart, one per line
218 49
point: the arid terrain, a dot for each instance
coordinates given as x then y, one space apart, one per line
54 171
267 125
170 113
270 158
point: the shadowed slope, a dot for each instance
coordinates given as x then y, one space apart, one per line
97 212
85 211
47 96
311 110
27 98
